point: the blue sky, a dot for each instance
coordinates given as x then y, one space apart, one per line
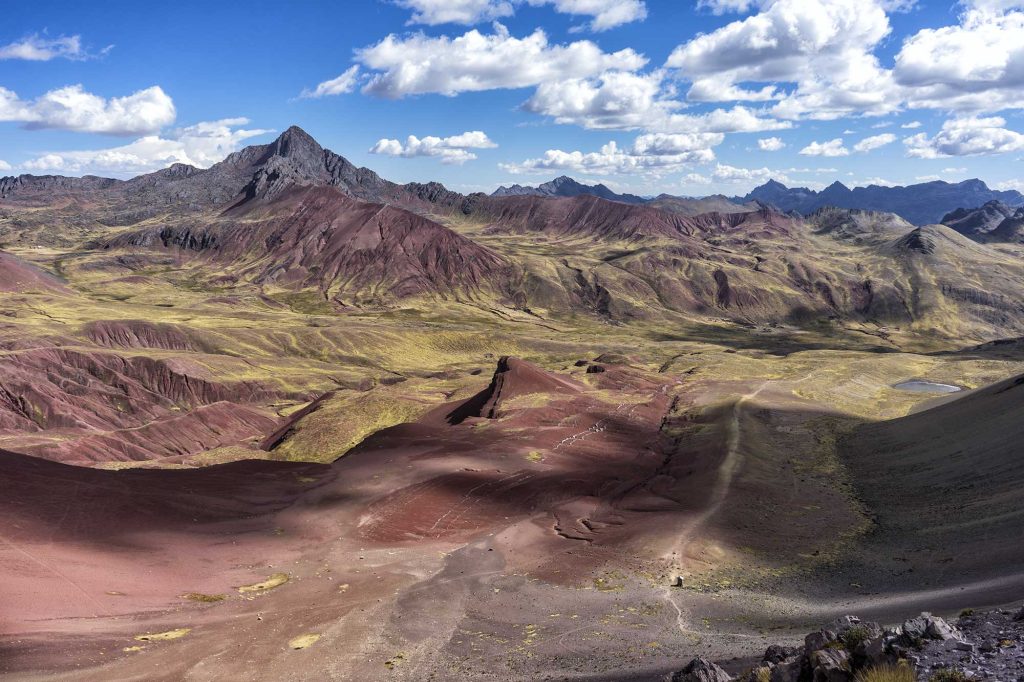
647 96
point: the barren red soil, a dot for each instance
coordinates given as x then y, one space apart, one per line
97 557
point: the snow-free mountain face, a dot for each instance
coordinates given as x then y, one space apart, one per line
565 186
993 222
920 204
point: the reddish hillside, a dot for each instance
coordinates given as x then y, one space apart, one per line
318 237
17 276
593 217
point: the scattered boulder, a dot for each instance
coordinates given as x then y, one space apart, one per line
789 671
581 363
831 665
942 631
875 652
595 369
701 670
927 626
819 640
776 654
986 646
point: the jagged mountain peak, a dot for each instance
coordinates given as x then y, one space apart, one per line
921 204
296 143
565 186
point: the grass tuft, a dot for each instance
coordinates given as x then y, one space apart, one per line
887 673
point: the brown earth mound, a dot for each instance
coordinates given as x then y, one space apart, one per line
512 379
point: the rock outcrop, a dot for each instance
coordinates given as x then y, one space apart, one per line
513 378
701 670
979 646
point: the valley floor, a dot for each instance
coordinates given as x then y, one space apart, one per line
293 493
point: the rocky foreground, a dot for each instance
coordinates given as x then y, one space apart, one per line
980 646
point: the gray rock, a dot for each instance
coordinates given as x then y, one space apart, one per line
1020 615
844 623
927 626
831 665
790 671
915 629
819 640
875 652
701 670
777 654
941 630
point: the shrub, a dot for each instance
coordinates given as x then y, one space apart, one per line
967 613
949 675
856 635
887 673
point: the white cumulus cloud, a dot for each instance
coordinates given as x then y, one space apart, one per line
831 148
629 101
653 154
770 144
343 84
434 12
72 108
874 142
724 173
604 14
967 136
450 150
976 65
419 64
202 145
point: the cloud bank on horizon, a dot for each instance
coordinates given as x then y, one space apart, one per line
655 95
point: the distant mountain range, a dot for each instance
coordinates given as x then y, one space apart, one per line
923 204
993 222
565 186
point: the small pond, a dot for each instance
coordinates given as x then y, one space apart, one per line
920 386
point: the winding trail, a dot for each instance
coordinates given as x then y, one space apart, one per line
727 471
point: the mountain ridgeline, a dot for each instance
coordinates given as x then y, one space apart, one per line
564 186
293 216
922 204
993 222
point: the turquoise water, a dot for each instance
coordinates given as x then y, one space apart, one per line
919 386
